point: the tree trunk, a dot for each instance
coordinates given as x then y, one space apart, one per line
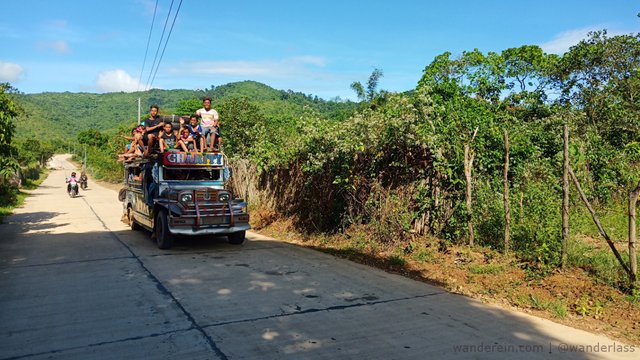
596 220
468 165
507 209
565 199
633 262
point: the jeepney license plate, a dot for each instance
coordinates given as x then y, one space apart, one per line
215 220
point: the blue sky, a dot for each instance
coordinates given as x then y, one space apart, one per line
315 47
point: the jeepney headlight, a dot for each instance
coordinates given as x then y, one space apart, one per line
186 198
223 197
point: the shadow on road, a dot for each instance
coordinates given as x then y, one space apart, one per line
91 292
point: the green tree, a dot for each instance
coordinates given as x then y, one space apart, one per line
601 76
238 119
92 137
371 93
188 107
8 111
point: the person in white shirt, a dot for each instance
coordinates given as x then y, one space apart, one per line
208 115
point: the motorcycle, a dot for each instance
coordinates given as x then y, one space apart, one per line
83 182
72 187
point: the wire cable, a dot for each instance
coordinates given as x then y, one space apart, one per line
146 51
166 42
166 21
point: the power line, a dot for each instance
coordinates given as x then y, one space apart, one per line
153 20
166 42
166 21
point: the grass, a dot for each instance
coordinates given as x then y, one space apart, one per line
600 263
15 197
613 218
486 269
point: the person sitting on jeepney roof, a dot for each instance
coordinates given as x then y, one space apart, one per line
169 140
183 133
216 137
195 133
136 147
153 128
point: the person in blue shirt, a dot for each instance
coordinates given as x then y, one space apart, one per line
195 133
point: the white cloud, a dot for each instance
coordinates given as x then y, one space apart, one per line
10 72
233 68
262 68
312 60
117 80
59 46
566 39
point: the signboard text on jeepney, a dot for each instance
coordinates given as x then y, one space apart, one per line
186 159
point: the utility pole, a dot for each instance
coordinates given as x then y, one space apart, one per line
138 111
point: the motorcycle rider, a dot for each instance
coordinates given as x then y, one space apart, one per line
72 181
83 179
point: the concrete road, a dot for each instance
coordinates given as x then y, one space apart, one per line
75 283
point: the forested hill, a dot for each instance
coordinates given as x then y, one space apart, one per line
63 115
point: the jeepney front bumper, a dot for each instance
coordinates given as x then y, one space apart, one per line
208 230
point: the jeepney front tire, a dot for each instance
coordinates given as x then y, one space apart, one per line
133 225
236 238
164 239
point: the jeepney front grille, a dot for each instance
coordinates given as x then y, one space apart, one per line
207 204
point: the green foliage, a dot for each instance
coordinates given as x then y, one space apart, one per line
601 76
91 137
240 121
8 111
371 93
12 197
188 106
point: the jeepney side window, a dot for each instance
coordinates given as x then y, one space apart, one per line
134 176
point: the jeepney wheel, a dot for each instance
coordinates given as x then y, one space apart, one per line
133 225
164 239
236 238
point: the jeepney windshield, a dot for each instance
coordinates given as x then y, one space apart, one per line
189 174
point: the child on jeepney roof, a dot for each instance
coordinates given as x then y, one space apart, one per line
169 140
136 147
183 132
195 133
183 136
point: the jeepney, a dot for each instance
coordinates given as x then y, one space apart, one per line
183 194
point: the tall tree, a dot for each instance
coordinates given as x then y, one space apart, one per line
371 93
8 111
601 75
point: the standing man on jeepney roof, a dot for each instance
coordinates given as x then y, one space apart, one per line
208 115
153 127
